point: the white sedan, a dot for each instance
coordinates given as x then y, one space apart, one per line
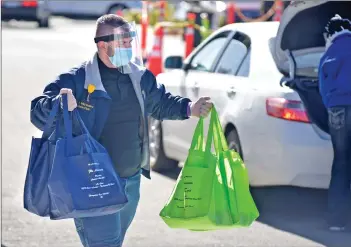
237 66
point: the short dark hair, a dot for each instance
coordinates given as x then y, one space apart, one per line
337 24
106 23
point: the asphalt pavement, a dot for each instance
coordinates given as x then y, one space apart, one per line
33 57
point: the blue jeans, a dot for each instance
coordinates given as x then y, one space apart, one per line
110 230
339 188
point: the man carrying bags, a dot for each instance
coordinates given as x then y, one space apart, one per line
115 94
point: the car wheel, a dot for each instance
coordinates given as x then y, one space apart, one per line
234 142
43 23
158 159
116 8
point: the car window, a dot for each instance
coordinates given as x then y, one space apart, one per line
245 66
234 55
207 56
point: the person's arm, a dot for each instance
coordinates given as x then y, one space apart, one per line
160 104
163 105
42 105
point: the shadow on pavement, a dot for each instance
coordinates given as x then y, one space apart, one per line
19 25
24 26
300 211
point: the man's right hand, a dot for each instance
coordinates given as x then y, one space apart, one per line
72 102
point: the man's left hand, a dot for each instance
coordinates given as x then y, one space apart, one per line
201 107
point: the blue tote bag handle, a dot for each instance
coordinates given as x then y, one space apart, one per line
68 125
51 120
81 123
91 147
91 144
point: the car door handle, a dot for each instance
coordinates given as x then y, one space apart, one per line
231 91
196 87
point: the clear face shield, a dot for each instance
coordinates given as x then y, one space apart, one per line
123 48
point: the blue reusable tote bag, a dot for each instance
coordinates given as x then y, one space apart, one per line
36 195
83 181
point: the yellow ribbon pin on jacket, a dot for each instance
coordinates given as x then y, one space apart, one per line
91 89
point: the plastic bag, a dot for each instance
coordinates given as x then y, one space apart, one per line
212 190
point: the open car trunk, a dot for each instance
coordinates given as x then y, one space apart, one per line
298 47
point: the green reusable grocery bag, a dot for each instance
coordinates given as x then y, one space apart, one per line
212 190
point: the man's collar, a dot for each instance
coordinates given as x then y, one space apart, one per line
92 75
125 69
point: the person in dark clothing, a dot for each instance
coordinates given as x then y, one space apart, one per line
335 89
114 95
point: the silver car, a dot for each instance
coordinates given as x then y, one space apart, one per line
93 9
26 11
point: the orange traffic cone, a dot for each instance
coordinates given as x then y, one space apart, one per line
189 35
230 13
162 6
155 57
278 10
144 28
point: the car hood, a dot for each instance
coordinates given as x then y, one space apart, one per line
299 43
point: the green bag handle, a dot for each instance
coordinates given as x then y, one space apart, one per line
221 146
220 142
198 139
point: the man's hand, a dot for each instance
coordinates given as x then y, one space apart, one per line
201 108
72 102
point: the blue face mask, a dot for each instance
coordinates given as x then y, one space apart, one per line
122 56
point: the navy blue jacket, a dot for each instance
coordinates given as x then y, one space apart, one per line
153 98
335 72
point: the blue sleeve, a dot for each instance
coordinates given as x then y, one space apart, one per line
320 75
344 72
160 104
42 105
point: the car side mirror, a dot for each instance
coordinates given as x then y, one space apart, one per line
173 62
